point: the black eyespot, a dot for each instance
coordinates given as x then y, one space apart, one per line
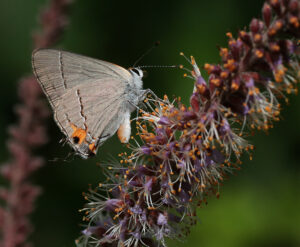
136 71
76 139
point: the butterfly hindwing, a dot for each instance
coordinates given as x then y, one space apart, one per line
90 115
87 96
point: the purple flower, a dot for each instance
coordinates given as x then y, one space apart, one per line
188 150
162 220
164 121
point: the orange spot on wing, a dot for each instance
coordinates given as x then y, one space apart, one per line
92 148
73 127
78 133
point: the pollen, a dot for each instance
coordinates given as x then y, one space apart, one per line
235 86
224 52
259 53
193 60
201 88
257 37
294 21
279 74
232 42
230 65
224 74
216 82
268 109
243 33
272 32
275 47
208 67
278 25
229 35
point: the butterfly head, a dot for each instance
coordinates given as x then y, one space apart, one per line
137 75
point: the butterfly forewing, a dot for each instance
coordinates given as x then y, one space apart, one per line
58 71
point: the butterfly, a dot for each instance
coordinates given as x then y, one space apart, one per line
91 99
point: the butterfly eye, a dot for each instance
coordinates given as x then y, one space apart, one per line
136 71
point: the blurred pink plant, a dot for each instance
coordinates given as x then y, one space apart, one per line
28 134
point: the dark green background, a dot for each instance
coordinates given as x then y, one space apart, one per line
258 207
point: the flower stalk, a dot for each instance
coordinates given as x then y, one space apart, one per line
183 153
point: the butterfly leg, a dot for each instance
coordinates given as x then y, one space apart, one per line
144 94
124 130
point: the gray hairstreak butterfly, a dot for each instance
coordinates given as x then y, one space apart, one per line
91 99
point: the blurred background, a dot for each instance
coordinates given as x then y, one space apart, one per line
259 205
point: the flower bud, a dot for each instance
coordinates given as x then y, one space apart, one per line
267 14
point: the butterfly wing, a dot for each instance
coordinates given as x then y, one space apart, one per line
90 115
57 71
87 96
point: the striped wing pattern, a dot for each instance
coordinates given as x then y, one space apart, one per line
87 96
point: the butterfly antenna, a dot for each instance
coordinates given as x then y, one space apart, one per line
146 53
160 66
